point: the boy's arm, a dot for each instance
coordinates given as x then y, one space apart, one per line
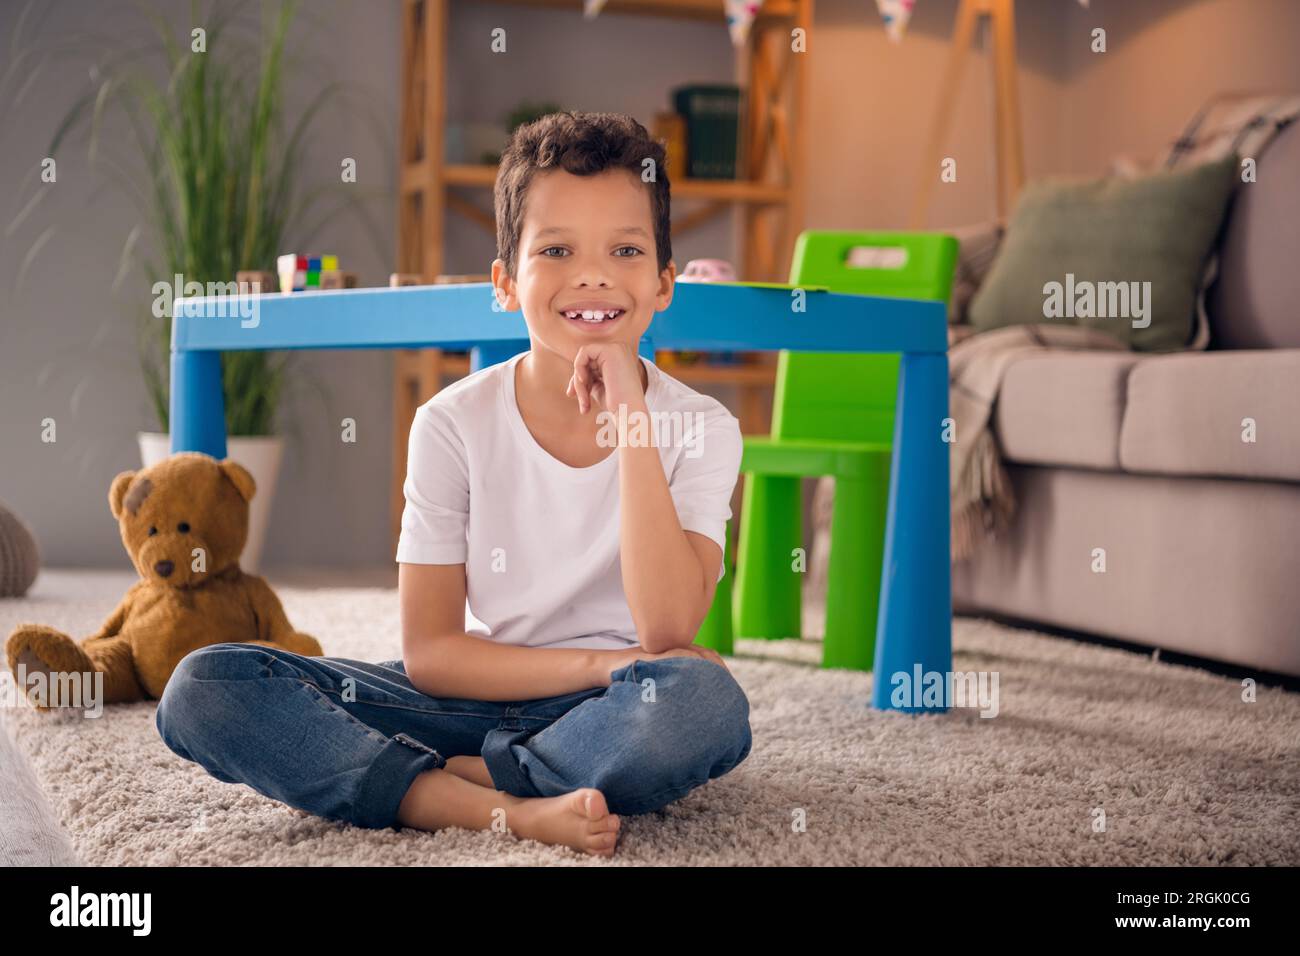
443 661
669 575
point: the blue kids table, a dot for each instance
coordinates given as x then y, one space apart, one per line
914 628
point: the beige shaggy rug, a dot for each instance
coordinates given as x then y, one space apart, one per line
1183 770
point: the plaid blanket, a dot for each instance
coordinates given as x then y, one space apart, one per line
1241 123
982 499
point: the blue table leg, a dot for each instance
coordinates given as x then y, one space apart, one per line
914 629
198 412
481 356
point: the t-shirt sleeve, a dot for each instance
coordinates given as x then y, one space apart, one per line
435 519
705 477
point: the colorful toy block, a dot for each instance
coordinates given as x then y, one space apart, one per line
299 273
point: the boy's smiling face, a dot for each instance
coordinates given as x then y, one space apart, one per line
587 244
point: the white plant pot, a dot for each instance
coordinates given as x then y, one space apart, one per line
260 454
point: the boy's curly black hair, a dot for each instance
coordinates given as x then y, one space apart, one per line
583 144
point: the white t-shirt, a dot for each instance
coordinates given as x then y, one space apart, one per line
540 539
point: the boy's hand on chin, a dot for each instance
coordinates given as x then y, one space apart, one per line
606 375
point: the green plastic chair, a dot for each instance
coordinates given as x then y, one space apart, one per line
716 630
833 414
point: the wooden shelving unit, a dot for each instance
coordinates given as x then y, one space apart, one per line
769 195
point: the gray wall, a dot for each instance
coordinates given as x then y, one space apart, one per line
67 343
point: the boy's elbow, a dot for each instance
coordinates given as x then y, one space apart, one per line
666 635
660 639
415 674
652 643
421 664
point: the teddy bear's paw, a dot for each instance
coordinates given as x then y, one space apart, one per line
30 670
35 688
37 655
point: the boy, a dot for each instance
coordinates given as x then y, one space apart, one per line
571 503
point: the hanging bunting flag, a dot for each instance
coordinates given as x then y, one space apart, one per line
592 7
740 14
895 13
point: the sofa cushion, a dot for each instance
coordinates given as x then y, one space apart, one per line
1188 415
1064 408
1123 255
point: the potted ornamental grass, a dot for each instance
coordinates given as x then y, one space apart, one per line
217 194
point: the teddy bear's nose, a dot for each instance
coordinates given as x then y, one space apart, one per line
164 568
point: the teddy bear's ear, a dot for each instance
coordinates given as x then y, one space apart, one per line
240 477
117 491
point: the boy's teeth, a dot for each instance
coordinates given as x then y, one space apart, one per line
594 315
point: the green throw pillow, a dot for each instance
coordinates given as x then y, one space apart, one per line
1122 255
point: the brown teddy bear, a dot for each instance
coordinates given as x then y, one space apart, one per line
184 522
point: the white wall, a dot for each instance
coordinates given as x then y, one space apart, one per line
1163 60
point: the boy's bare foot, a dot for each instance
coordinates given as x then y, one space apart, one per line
579 819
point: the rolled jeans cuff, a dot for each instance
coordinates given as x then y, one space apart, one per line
399 762
503 767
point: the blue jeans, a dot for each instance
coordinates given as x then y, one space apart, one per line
344 739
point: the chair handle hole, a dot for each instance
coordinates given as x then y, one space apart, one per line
876 257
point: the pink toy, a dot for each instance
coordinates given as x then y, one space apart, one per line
708 270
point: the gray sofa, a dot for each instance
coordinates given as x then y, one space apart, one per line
1143 455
